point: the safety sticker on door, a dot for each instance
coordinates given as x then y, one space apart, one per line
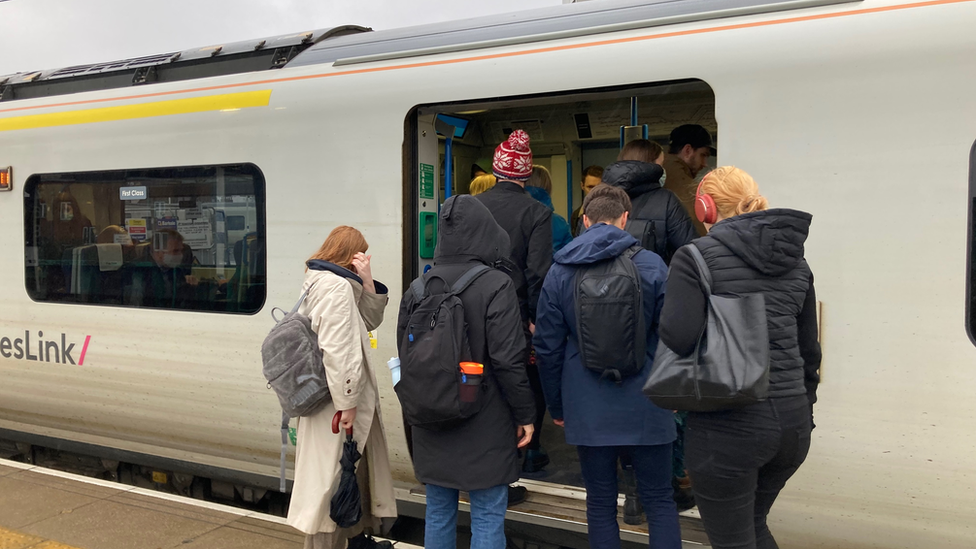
426 181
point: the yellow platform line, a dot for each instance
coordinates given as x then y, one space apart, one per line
11 539
222 102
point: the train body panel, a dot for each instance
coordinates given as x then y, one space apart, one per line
865 120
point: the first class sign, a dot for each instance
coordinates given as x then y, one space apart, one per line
132 193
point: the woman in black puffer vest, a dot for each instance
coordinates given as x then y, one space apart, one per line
740 459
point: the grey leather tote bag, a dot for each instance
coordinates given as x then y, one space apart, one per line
730 365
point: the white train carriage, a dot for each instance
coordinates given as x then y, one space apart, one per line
861 112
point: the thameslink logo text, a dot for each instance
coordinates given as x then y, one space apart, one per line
36 348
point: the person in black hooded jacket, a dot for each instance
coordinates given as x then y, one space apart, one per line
658 219
740 459
481 455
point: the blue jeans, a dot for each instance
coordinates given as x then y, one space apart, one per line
652 468
487 517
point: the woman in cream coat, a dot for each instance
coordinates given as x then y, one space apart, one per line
344 304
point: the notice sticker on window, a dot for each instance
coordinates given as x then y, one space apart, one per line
137 229
165 223
196 234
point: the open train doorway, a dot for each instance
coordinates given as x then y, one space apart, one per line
569 132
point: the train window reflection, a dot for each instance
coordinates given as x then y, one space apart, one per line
189 238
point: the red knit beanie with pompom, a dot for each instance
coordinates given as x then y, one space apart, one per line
513 158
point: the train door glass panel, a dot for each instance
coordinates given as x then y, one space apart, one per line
189 238
568 132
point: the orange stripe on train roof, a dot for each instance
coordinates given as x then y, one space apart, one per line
737 26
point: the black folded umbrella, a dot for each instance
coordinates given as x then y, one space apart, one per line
346 507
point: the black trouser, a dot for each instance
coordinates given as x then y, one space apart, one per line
540 404
739 460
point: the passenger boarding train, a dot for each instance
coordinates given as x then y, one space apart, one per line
232 163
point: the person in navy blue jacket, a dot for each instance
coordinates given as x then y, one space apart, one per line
602 418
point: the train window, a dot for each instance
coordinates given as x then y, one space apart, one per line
189 238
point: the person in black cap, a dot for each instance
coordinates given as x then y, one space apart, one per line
690 147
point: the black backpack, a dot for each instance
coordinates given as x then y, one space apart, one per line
648 222
431 350
610 317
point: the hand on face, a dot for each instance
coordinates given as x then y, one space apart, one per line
360 264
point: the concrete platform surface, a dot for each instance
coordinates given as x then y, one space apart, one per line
47 509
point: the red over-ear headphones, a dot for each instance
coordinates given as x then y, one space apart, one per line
705 209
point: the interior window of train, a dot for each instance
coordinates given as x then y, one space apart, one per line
186 238
569 132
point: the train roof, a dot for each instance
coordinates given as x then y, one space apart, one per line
562 21
232 58
351 44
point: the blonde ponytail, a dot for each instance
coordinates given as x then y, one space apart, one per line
751 203
734 191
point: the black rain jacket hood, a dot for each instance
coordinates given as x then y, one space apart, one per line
769 241
481 452
467 230
634 176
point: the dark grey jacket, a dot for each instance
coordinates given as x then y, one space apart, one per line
760 252
482 452
652 202
529 227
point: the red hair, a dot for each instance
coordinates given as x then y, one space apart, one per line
341 244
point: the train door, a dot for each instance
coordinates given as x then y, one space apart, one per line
569 132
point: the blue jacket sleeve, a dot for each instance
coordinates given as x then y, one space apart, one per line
551 331
561 235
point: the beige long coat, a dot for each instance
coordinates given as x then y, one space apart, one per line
342 314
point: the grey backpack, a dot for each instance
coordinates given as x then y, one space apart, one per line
293 367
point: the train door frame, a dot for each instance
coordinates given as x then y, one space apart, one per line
419 128
421 146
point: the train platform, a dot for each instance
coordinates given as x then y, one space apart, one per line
43 508
47 509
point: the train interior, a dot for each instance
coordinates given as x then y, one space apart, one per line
568 133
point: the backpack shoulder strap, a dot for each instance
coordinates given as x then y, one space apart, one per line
706 275
302 299
419 288
293 309
468 277
283 486
630 252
